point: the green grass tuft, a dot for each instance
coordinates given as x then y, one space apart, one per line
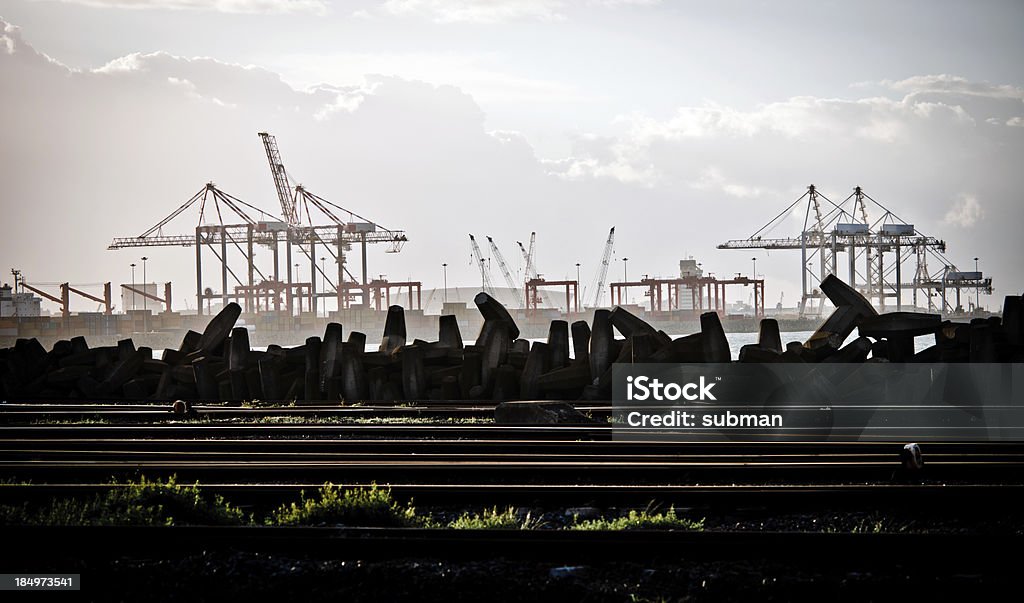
492 519
641 520
361 507
142 503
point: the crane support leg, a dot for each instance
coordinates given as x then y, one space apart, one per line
224 266
199 274
250 292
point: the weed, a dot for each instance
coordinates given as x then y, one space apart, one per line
492 519
363 507
641 520
146 502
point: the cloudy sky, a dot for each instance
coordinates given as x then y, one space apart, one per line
681 123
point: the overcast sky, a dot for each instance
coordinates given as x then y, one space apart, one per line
683 124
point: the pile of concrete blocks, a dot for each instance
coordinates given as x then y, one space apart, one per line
219 365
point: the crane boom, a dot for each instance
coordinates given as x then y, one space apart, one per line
478 258
504 270
602 270
531 257
284 189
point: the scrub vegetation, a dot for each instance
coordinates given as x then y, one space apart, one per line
136 503
641 520
362 507
492 519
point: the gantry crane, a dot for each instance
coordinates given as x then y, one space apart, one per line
292 207
504 270
601 277
272 231
839 230
481 263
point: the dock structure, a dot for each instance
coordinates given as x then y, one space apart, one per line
876 252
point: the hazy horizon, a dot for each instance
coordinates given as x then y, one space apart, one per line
679 123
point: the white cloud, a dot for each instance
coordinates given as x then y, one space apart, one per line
346 100
964 212
712 179
14 45
317 7
643 153
497 11
472 73
953 85
626 2
477 11
798 117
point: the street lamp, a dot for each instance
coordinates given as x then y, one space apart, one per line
298 280
577 285
145 305
145 299
625 278
133 285
977 290
444 271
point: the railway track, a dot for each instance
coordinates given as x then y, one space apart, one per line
447 469
27 413
470 454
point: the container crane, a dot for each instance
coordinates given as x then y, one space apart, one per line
348 231
284 189
248 226
529 256
478 259
504 270
882 246
601 278
530 272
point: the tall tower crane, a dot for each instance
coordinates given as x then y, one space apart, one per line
504 270
284 189
478 259
529 257
601 278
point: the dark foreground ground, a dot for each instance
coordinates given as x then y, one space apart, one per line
256 577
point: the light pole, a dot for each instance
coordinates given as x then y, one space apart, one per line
577 283
323 279
625 278
755 267
977 290
133 285
298 280
145 305
145 299
444 271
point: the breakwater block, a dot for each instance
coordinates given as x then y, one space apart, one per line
539 413
220 365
